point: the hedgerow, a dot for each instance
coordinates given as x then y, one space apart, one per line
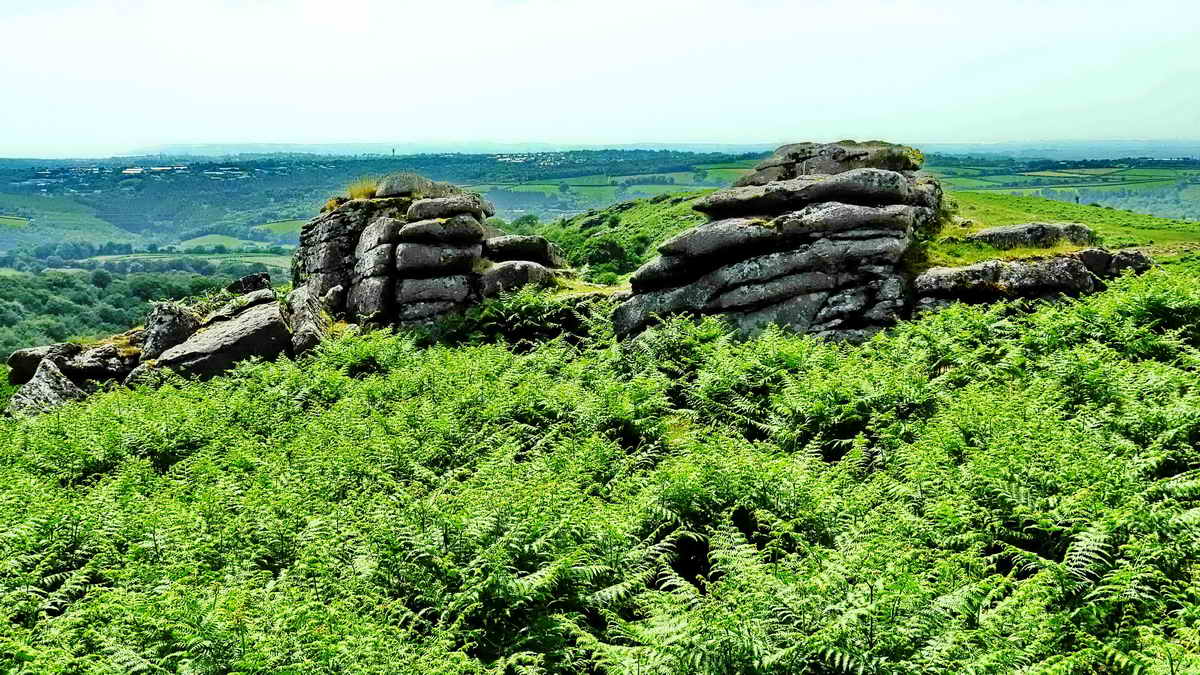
992 490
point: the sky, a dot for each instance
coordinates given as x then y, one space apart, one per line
102 77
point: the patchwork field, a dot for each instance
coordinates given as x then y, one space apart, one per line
13 221
210 240
282 263
283 226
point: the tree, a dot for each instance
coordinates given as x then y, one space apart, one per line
563 188
101 278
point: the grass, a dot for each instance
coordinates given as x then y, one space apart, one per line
1159 236
362 188
13 222
55 219
282 262
210 240
283 226
989 490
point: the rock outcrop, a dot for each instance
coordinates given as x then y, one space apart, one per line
174 338
803 159
1034 235
1072 274
416 253
46 390
819 253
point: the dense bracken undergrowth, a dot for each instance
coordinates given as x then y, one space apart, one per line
991 490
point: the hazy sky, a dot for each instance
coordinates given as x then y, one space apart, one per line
108 76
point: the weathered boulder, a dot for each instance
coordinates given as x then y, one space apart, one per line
460 229
23 363
994 280
425 260
1034 235
456 289
250 283
532 248
798 159
370 299
454 205
513 274
865 187
308 320
99 364
48 389
258 331
407 184
167 325
238 304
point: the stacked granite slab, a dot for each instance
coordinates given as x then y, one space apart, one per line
415 253
818 253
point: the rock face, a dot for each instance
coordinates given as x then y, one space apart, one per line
1034 235
412 256
801 159
23 363
817 252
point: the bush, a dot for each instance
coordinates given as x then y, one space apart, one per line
363 188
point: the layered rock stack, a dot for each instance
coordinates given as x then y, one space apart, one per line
817 252
413 254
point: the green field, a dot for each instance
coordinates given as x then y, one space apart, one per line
54 219
283 226
13 222
1163 238
281 262
210 240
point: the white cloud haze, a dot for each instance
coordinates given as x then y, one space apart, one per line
98 77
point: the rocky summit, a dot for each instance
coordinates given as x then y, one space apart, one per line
816 237
818 252
416 253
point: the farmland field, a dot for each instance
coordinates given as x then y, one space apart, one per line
210 240
278 263
45 218
13 221
283 226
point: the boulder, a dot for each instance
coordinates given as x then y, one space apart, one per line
438 289
250 283
1135 261
381 231
532 248
167 325
454 205
799 159
48 389
665 271
425 312
407 184
238 304
374 262
259 331
460 229
832 217
730 237
865 187
23 363
426 260
370 299
100 364
513 274
1004 279
1034 235
308 320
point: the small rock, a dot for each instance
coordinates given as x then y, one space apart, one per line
249 283
1034 235
511 275
533 248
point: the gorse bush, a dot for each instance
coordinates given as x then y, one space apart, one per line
990 490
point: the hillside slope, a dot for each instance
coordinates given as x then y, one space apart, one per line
614 241
983 490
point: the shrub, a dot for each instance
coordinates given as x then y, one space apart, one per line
363 188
